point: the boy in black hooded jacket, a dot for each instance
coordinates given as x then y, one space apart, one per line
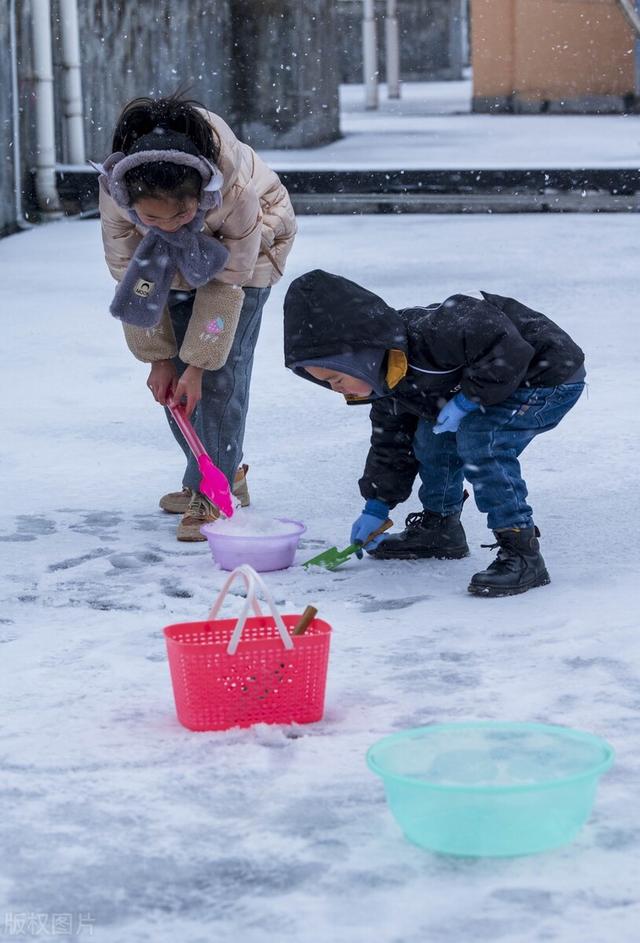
457 390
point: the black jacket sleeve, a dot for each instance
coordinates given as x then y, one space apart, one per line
391 465
494 355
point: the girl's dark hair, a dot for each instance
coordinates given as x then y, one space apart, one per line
178 125
143 115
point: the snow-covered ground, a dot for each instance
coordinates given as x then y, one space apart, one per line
430 127
127 825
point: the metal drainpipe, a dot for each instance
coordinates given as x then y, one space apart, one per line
21 222
392 46
631 10
369 54
636 57
72 82
46 192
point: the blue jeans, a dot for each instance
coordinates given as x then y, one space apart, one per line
220 416
485 451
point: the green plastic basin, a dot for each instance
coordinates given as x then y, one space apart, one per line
490 788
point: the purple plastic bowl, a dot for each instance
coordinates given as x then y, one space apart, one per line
263 553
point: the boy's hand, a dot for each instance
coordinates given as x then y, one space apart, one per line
374 513
162 381
189 387
452 414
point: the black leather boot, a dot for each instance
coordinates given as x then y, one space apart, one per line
518 567
426 534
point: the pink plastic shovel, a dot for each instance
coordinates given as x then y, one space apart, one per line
213 483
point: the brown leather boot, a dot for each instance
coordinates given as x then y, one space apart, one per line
200 511
240 489
177 502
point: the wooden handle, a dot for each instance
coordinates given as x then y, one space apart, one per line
387 524
305 620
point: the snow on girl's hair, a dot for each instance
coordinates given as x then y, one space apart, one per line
141 116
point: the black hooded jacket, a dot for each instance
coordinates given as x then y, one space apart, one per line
486 347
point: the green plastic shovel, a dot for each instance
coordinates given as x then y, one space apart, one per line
333 558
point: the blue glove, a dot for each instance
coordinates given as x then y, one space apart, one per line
374 513
452 414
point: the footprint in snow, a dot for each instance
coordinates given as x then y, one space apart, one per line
108 605
78 561
29 527
94 520
134 561
34 524
377 604
175 592
147 522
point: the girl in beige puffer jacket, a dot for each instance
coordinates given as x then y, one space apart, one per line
196 229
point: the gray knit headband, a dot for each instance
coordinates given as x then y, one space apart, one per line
115 167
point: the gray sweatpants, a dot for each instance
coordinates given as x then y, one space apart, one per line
220 416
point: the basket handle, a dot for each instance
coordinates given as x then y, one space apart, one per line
252 582
239 571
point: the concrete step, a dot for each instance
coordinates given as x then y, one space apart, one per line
428 191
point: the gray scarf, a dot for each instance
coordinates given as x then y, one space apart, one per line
142 294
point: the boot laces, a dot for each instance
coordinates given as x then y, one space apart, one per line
504 546
418 519
509 554
505 558
506 543
200 506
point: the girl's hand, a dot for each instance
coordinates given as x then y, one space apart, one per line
189 387
162 381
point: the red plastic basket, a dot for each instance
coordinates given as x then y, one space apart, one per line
221 680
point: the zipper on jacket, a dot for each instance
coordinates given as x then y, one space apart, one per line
435 372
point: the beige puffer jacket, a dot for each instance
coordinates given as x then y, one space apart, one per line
255 222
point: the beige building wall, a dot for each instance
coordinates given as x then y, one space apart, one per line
532 55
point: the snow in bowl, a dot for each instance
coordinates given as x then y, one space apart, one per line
264 543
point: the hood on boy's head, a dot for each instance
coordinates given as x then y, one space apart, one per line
366 364
327 315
